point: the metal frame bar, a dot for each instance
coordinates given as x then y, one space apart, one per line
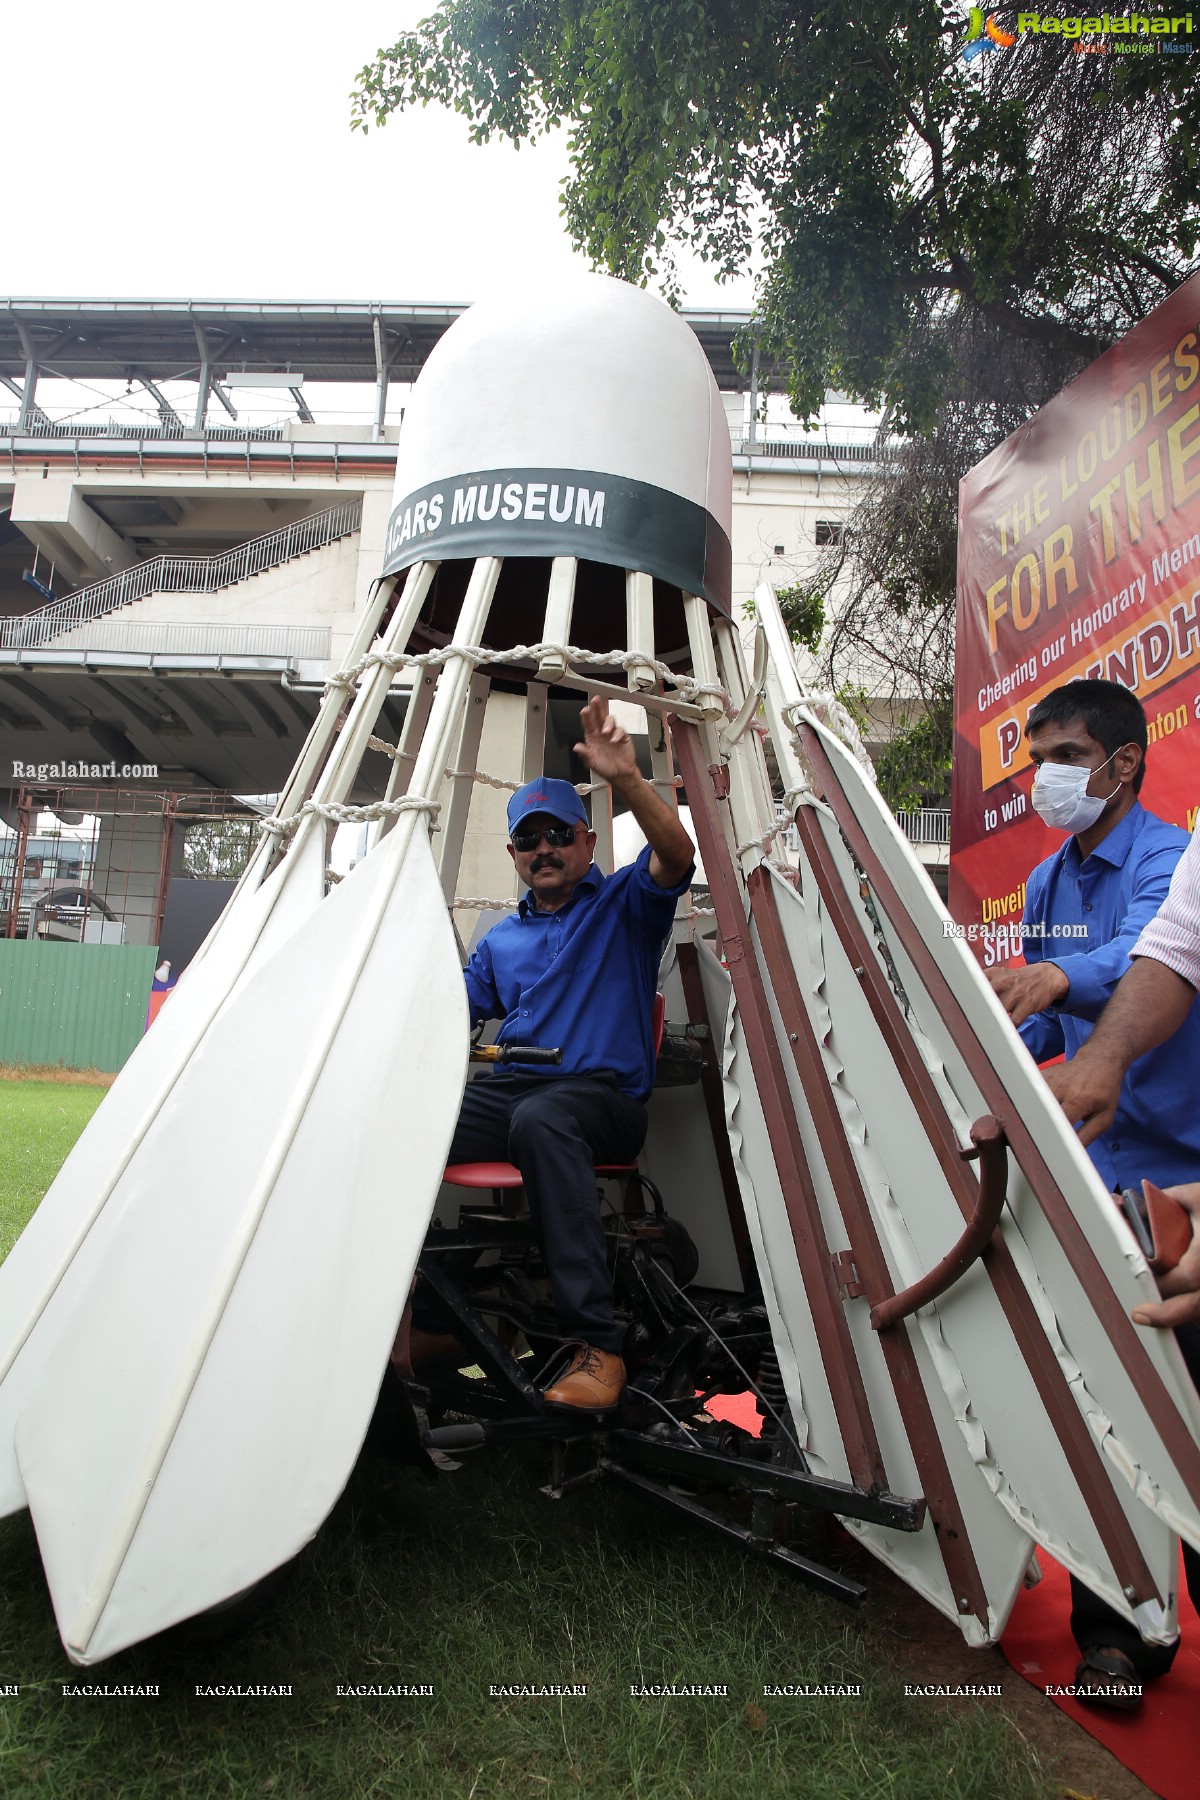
30 410
912 1400
492 1353
166 411
840 1586
653 703
560 608
462 788
743 1474
533 743
416 717
860 1442
602 825
712 1088
704 663
38 415
639 631
1177 1439
20 853
1082 1453
752 806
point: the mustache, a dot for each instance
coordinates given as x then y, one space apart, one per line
545 862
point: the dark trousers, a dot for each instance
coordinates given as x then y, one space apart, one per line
555 1128
1094 1624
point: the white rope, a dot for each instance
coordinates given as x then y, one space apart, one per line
366 815
352 815
581 787
687 688
392 750
796 796
763 843
493 781
400 659
512 787
471 903
829 709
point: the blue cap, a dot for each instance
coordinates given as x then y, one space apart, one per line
558 798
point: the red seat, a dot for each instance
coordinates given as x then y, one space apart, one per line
501 1175
484 1175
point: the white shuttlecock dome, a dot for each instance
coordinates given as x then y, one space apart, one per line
583 421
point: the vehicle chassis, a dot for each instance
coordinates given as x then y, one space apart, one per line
482 1282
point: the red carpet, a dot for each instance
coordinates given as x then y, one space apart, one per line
1158 1742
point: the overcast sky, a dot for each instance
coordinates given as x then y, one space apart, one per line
173 151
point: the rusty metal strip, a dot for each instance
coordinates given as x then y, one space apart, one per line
991 1147
860 1442
912 1399
712 1087
1126 1338
1083 1454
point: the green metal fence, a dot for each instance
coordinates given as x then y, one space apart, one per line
73 1006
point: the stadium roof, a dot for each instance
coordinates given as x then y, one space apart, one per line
336 341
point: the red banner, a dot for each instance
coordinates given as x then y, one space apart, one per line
1078 555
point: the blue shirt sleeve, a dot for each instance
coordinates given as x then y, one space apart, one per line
480 978
1093 974
649 904
1042 1035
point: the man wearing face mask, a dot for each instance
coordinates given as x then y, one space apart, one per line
1087 741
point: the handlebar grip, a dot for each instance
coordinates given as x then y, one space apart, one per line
529 1053
454 1437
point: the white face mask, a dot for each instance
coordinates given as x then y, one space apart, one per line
1060 796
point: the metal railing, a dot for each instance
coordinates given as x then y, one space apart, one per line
928 825
144 637
804 449
10 426
168 574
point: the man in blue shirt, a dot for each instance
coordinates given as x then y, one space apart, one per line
575 968
1085 908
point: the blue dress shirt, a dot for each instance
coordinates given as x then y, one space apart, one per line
1113 893
581 979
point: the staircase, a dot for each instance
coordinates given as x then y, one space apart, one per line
168 574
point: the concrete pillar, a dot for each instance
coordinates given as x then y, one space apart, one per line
377 510
54 515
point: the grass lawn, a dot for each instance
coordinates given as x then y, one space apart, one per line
39 1121
466 1580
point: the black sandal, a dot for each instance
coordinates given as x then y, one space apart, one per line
1108 1678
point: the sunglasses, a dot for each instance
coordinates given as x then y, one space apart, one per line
557 836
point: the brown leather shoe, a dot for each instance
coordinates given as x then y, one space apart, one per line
593 1383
